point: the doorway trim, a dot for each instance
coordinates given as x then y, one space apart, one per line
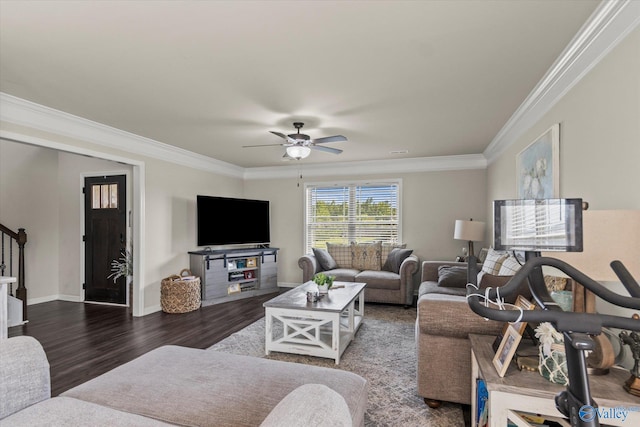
137 198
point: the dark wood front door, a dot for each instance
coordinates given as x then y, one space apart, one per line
105 237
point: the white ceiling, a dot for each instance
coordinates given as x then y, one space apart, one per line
435 78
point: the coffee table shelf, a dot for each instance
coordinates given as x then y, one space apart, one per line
322 329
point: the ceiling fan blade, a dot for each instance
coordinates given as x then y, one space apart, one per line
326 149
263 145
283 136
335 138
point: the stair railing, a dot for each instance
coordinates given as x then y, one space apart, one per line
7 237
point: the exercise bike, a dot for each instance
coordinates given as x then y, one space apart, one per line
575 327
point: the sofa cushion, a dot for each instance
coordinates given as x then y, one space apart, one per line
452 276
366 256
494 260
65 411
395 258
379 279
341 254
343 274
294 409
188 386
325 259
433 288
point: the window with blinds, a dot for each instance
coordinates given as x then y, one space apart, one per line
352 213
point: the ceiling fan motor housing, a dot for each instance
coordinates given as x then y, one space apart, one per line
299 136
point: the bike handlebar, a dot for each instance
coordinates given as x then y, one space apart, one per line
590 323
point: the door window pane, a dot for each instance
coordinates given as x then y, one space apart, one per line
104 196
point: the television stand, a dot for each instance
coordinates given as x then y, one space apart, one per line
231 274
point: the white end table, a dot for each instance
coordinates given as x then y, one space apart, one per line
526 391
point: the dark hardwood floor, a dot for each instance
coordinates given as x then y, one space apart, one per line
83 341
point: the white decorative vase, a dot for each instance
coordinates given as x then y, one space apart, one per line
323 289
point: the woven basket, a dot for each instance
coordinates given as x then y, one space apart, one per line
178 295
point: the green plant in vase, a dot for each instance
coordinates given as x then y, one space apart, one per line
324 282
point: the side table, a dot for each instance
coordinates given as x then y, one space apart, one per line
529 392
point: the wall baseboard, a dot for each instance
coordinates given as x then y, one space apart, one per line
288 285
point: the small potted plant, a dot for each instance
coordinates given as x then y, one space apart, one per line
122 267
324 282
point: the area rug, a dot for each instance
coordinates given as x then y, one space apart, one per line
384 353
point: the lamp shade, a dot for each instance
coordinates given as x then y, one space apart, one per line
472 231
298 151
608 235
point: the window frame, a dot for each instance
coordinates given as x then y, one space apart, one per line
358 183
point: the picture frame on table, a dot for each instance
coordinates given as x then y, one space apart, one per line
506 350
538 167
523 303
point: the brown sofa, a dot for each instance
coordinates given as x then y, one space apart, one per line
382 286
443 325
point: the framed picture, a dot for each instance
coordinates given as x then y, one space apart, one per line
537 167
506 350
523 303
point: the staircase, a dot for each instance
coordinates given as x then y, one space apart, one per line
12 244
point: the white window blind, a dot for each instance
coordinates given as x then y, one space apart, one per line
352 213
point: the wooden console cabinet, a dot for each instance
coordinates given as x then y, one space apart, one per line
230 274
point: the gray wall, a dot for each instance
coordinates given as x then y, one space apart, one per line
599 136
431 202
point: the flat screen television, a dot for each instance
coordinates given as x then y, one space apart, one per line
228 221
537 225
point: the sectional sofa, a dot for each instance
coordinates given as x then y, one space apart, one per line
179 386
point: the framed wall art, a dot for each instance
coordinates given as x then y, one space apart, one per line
537 167
507 349
524 304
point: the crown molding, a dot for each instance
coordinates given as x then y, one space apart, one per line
421 164
609 24
29 114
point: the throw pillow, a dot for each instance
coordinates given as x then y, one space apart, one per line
555 284
452 277
387 248
324 259
341 254
395 258
493 262
509 267
366 256
492 281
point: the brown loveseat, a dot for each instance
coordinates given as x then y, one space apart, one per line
443 325
387 282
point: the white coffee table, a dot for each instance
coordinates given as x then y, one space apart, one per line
323 329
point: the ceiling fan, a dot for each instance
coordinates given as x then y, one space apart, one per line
299 145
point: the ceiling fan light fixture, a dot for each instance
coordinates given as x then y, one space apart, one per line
298 151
